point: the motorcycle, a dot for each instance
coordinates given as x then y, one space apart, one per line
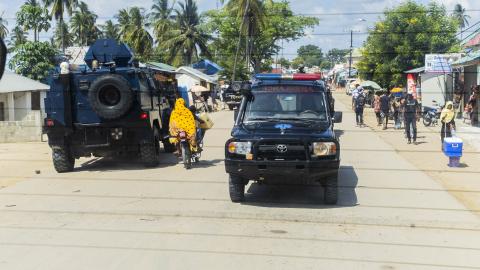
431 115
189 155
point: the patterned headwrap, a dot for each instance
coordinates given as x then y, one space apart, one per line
182 120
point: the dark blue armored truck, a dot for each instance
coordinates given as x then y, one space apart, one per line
283 133
108 107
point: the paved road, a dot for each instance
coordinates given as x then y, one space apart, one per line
114 214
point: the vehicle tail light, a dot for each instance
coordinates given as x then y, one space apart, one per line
144 116
50 123
182 135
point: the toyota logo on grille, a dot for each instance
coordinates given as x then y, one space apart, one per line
282 148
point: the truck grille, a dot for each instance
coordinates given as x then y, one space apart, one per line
281 151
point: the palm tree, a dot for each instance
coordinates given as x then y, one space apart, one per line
17 37
58 10
62 36
3 26
83 25
461 17
110 30
32 16
161 18
186 41
133 30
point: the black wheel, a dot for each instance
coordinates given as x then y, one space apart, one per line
427 121
236 187
168 147
110 96
150 152
231 107
186 156
331 190
63 160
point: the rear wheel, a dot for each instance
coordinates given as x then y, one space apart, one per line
150 152
186 156
63 160
168 147
331 190
236 187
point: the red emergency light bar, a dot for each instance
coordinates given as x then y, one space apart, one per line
291 77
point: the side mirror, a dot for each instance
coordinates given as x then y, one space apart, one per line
338 117
3 57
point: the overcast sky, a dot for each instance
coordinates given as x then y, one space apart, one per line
336 18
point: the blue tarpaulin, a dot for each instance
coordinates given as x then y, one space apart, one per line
208 67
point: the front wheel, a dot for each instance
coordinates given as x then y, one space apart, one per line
63 160
236 187
331 190
186 156
427 121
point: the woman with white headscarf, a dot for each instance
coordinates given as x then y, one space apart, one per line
448 121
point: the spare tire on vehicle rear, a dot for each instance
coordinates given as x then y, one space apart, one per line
110 96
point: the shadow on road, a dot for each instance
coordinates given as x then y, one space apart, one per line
339 133
304 196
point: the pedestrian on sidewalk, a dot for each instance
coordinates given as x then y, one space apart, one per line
376 109
410 115
355 94
471 107
396 106
385 108
359 104
448 121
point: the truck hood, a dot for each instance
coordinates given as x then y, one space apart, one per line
284 128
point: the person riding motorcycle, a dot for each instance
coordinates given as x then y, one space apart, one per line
182 119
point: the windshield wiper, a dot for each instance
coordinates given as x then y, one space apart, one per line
262 119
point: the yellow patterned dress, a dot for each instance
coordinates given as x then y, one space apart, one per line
182 120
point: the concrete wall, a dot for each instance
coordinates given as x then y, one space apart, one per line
29 130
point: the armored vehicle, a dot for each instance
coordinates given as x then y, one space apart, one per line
283 133
108 107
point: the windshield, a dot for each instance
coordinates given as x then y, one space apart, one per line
291 105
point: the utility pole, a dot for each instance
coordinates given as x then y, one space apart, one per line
351 50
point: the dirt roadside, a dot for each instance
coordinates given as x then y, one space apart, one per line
463 183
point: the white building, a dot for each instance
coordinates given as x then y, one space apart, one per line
21 108
188 77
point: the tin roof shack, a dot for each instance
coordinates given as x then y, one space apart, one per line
22 108
165 78
188 77
469 76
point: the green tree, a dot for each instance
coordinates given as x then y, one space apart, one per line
311 54
284 62
459 13
33 60
83 24
400 41
110 30
58 10
282 24
336 56
62 35
297 62
161 19
186 41
17 37
133 31
3 26
32 16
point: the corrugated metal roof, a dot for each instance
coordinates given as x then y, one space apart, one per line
12 82
467 60
198 74
474 41
415 70
161 66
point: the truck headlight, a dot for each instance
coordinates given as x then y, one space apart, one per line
324 149
240 148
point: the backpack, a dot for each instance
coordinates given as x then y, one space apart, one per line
360 101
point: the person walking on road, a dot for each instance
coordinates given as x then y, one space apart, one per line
396 106
448 121
410 116
359 104
355 94
376 109
385 109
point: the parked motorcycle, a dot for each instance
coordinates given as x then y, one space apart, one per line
431 115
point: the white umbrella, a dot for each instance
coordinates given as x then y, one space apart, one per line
198 89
